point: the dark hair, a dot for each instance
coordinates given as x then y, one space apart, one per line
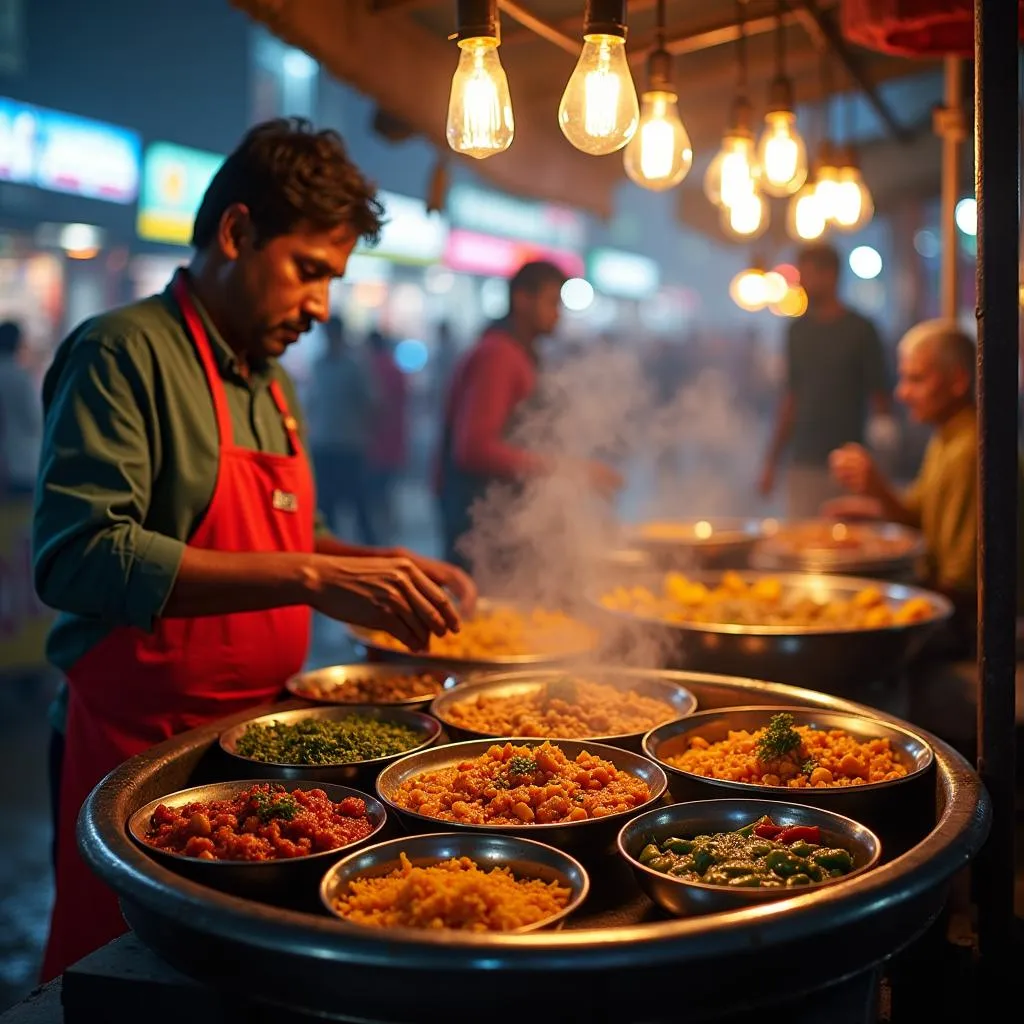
288 174
10 337
820 255
533 276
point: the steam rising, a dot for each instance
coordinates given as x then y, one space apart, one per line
551 541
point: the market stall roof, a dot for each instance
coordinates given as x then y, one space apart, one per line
397 52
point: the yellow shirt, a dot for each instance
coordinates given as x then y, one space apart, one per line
944 501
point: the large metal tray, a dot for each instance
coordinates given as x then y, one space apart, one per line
775 554
840 662
619 959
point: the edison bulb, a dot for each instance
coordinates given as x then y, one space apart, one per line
599 111
480 121
781 154
853 206
827 189
748 290
805 216
732 172
659 155
747 217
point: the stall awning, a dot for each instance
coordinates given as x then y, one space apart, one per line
397 52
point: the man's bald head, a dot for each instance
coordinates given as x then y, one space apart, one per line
937 364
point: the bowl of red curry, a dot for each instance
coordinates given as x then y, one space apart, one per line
258 838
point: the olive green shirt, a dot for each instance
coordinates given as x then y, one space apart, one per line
129 464
944 502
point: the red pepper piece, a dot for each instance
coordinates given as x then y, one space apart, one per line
768 830
808 833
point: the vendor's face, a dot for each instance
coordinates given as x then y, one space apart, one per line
544 308
927 387
279 286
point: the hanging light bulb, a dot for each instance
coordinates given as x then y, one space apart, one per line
659 155
749 289
805 215
746 217
599 111
853 206
734 170
480 121
781 152
826 177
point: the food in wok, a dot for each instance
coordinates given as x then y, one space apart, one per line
765 601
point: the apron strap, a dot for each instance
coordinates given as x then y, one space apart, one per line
197 331
291 425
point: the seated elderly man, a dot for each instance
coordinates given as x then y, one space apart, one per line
936 384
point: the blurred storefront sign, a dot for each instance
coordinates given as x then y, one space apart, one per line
410 234
174 179
65 153
623 275
471 253
24 621
491 213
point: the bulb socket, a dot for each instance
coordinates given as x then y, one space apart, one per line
780 96
476 19
605 18
826 155
741 117
659 72
846 156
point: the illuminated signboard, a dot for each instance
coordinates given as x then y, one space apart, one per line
174 179
491 213
66 153
410 234
470 253
624 275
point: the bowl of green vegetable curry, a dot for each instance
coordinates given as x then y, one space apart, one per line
350 744
716 855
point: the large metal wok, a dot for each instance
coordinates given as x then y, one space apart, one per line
842 662
619 959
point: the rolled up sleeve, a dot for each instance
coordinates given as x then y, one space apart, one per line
93 557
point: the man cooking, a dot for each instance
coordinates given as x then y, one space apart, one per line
936 383
492 386
175 526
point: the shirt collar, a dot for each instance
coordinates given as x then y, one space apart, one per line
227 362
964 420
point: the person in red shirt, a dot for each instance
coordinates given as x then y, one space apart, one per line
491 385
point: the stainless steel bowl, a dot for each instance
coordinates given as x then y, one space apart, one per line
350 772
334 682
841 662
780 550
705 817
523 857
696 543
264 879
592 834
874 803
660 686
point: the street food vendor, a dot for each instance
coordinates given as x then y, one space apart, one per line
936 384
175 527
492 388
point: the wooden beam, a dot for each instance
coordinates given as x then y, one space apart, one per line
567 26
837 44
386 6
538 27
712 36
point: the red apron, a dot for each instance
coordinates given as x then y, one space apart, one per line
135 689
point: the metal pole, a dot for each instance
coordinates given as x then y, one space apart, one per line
949 125
997 190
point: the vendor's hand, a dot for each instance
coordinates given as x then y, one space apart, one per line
855 470
446 575
386 593
852 506
766 481
604 479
